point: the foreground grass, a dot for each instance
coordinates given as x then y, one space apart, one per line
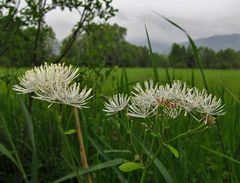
107 139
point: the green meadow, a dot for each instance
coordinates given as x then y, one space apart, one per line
36 148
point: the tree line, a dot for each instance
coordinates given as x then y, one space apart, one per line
26 40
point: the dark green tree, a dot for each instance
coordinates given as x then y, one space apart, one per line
33 14
177 56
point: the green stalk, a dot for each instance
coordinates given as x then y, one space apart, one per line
130 134
149 161
186 133
19 163
69 150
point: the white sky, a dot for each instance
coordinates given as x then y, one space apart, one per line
201 18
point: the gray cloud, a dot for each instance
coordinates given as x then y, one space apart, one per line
200 18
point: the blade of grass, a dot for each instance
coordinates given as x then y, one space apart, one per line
15 152
106 157
221 154
30 130
154 66
100 166
193 46
7 153
168 75
156 161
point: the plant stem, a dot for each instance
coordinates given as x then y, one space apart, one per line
130 134
185 134
81 143
66 143
149 162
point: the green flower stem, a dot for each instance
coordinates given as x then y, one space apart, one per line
149 159
66 143
196 130
130 135
81 144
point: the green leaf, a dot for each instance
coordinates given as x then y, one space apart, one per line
193 46
162 169
220 154
130 166
30 130
118 151
7 153
154 134
70 132
173 150
100 166
100 150
153 62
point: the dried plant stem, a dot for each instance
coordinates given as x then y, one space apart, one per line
81 143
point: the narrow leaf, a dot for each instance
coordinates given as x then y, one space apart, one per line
30 130
153 62
105 156
7 153
130 166
70 132
173 150
220 154
91 169
193 46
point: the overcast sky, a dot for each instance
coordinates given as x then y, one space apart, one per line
201 18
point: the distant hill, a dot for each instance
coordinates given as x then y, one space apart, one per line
219 42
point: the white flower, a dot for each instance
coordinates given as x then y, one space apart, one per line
27 83
64 94
116 103
141 110
54 83
190 100
211 106
145 94
172 112
143 101
45 76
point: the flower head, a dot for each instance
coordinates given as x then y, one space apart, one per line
116 103
210 105
54 83
169 101
45 76
143 101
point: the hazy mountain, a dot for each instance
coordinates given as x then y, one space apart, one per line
219 42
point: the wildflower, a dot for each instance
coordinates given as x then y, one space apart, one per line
210 106
140 108
53 83
189 99
45 76
143 101
116 103
64 94
172 112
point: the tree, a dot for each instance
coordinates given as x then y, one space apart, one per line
101 45
17 44
34 12
177 56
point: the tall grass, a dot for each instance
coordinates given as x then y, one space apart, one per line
36 147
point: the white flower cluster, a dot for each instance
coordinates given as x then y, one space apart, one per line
53 83
169 100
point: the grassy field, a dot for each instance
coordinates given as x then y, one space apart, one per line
217 79
33 147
